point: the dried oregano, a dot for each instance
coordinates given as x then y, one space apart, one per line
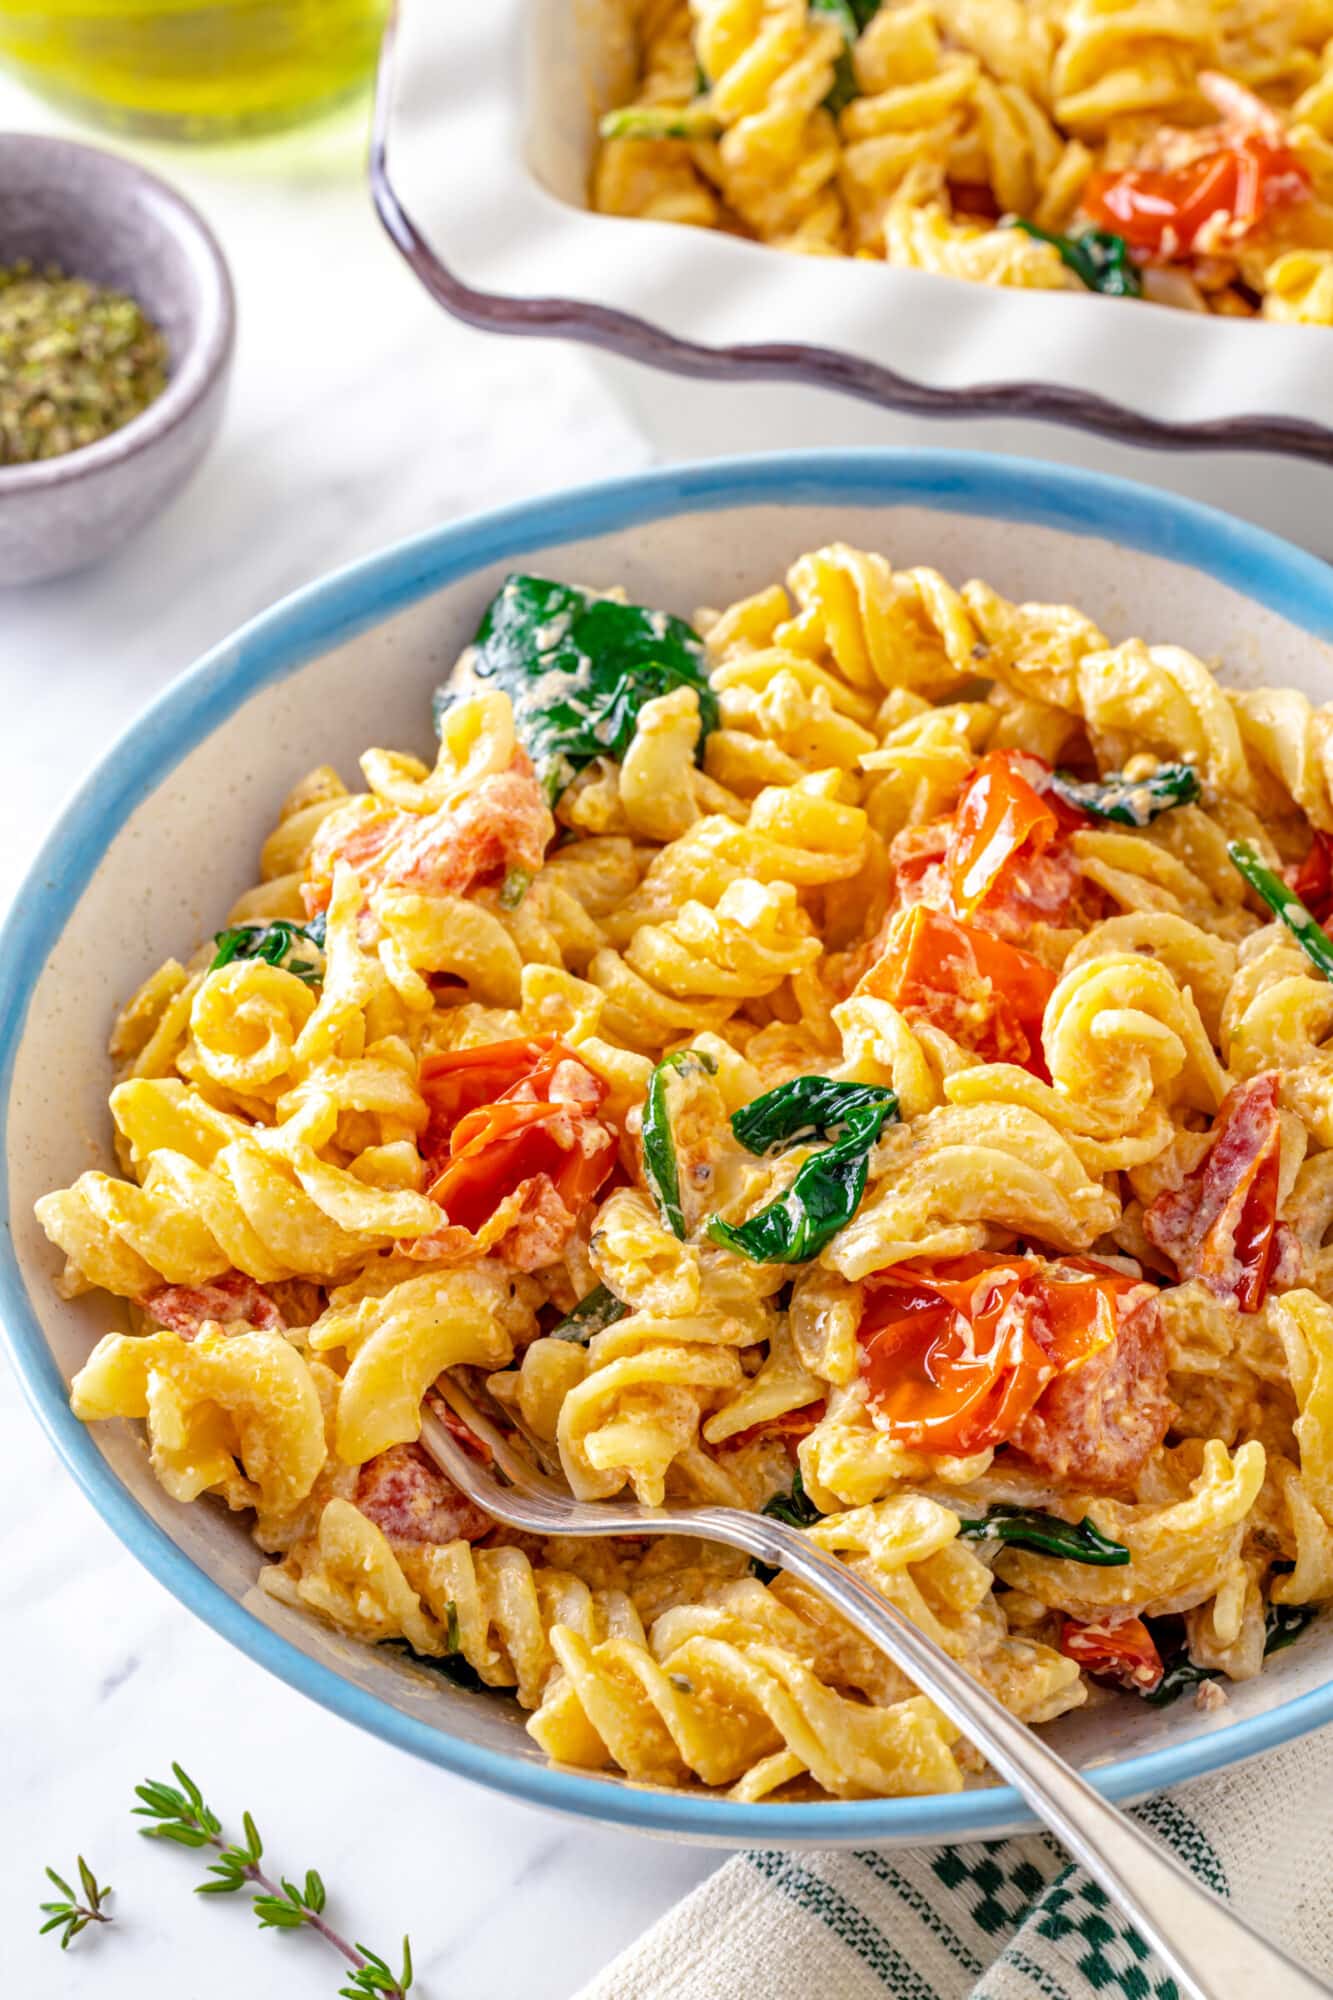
76 362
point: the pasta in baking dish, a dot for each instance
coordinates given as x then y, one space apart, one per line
1176 150
867 1055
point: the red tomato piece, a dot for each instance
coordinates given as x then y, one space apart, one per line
1097 1424
791 1427
457 1429
410 1500
1221 1224
988 995
956 1357
463 1080
1118 1649
1312 881
227 1301
1233 176
515 1117
1000 815
503 823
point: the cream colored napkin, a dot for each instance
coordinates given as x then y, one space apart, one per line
1006 1920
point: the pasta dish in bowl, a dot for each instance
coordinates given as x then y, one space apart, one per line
856 1051
1179 151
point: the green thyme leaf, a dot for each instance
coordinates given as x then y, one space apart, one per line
69 1916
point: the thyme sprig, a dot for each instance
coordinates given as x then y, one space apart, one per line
70 1916
179 1814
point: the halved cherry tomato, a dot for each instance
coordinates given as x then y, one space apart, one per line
988 995
1000 814
1241 171
956 1357
1221 1225
1118 1649
503 822
464 1079
495 1124
791 1427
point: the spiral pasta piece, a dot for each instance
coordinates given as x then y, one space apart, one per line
1124 1046
924 237
398 1337
749 1715
1181 1553
940 1182
1120 58
770 68
657 178
234 1413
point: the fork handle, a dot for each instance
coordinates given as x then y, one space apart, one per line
1213 1953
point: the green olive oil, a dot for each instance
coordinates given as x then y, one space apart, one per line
186 70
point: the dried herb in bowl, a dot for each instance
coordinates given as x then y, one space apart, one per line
76 363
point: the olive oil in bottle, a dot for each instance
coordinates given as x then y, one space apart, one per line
194 69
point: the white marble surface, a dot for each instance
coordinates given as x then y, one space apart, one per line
359 414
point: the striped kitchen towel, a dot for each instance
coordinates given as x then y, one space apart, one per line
1003 1920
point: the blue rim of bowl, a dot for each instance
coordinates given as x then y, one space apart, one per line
193 373
335 609
642 340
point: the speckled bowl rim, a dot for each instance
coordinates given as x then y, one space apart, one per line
193 373
325 615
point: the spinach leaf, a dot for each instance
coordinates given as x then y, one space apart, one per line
796 1508
661 121
515 886
1023 1528
1098 259
660 1167
1283 1624
1309 934
825 1195
451 1663
1130 801
809 1107
278 943
852 16
593 1314
1180 1673
578 669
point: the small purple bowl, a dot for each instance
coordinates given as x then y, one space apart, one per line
99 216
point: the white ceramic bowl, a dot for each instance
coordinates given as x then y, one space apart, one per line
486 123
165 834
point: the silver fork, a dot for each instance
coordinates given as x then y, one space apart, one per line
1212 1953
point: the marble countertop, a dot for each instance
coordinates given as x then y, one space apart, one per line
360 413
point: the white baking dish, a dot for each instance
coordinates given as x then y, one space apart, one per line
484 134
